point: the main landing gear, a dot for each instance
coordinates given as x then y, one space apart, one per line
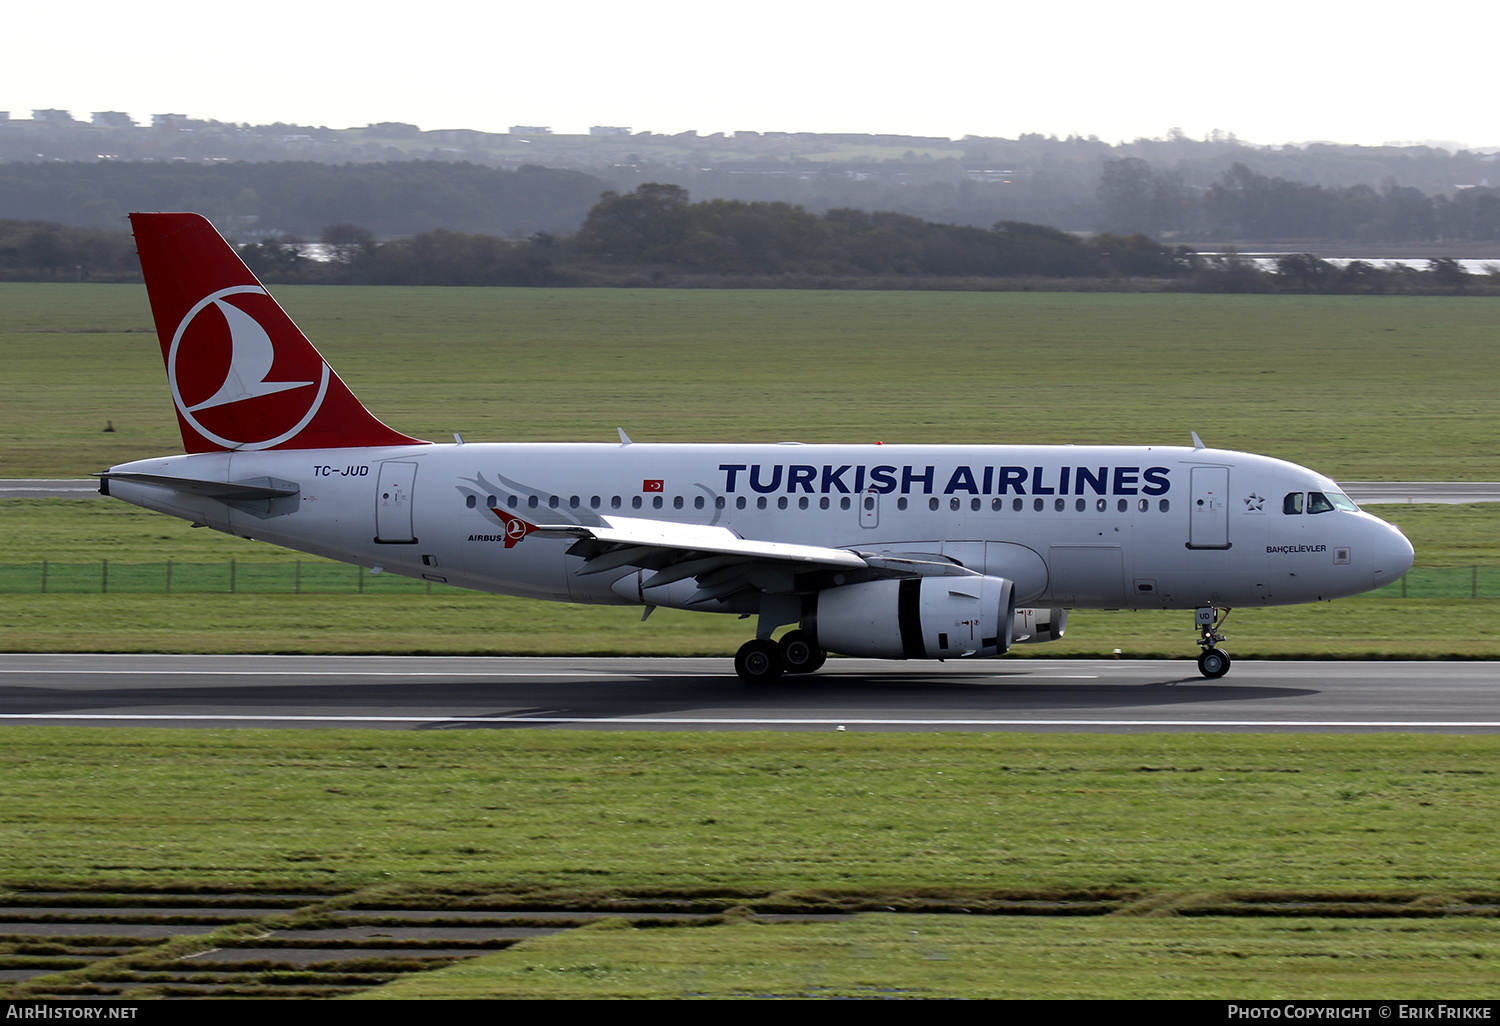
1213 662
762 661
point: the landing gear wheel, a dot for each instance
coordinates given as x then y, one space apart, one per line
1213 663
759 661
799 655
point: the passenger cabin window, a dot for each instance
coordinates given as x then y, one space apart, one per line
676 502
635 502
513 501
614 502
1292 504
471 501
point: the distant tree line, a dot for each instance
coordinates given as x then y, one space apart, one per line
1245 206
1077 185
300 197
655 236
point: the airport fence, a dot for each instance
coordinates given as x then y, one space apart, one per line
234 577
327 578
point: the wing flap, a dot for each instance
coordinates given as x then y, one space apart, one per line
659 543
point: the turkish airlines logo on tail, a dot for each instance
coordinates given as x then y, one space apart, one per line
515 527
228 378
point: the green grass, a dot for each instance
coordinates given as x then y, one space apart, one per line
564 816
1180 845
887 956
1357 387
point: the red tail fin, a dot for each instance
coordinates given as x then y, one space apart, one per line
242 375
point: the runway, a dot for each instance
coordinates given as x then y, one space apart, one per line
447 693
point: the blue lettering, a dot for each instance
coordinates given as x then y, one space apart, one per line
1156 481
755 479
1037 488
989 479
908 479
962 481
883 480
1085 477
834 478
1012 477
859 479
730 470
800 474
1126 479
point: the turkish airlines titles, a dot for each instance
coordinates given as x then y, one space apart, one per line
846 479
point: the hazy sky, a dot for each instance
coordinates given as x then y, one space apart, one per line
1270 72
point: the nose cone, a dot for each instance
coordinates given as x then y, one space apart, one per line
1393 555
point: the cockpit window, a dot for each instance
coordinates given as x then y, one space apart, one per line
1292 504
1342 502
1327 502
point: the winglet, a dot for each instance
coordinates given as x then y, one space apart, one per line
243 376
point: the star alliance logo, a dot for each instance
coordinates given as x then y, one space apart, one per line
1255 503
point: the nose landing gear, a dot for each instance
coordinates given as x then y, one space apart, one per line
1213 662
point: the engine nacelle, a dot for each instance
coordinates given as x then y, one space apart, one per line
919 618
1034 626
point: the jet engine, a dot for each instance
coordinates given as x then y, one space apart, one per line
918 618
1034 626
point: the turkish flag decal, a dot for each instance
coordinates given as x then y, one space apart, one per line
653 486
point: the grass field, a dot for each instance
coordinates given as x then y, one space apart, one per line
1195 866
586 816
1017 958
1168 828
1357 387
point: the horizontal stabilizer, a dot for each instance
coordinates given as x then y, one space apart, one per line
262 497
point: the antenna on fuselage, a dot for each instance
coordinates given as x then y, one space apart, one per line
624 438
1198 442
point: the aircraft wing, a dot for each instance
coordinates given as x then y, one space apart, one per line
723 563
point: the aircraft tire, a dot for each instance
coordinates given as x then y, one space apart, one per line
799 655
759 661
1213 663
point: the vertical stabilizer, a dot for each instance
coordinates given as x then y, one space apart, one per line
243 376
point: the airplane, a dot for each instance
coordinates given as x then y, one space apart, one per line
888 551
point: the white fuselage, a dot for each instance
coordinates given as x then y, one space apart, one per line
1072 526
